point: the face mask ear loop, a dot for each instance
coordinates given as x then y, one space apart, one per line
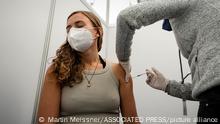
182 82
98 32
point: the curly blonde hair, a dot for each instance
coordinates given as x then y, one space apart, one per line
67 63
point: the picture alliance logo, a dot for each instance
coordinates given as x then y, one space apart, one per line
211 120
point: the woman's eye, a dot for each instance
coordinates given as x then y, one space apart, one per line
79 24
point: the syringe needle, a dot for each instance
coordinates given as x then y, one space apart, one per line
138 75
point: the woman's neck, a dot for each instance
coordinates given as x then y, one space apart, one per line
90 58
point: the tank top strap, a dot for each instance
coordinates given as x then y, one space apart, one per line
111 73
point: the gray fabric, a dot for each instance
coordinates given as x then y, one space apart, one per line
179 90
196 25
102 98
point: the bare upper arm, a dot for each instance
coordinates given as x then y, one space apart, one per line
49 103
120 74
127 101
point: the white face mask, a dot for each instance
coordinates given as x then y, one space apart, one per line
80 39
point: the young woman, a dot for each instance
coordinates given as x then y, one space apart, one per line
80 84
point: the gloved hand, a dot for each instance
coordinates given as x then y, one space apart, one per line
127 68
156 79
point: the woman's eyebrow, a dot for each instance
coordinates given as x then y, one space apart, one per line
68 26
79 22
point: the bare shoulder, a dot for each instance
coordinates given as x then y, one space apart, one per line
51 69
120 74
50 75
118 70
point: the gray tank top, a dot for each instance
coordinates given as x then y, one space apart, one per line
100 100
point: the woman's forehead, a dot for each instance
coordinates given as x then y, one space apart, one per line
78 17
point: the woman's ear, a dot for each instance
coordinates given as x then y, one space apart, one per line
100 31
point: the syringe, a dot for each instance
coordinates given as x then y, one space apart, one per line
139 75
